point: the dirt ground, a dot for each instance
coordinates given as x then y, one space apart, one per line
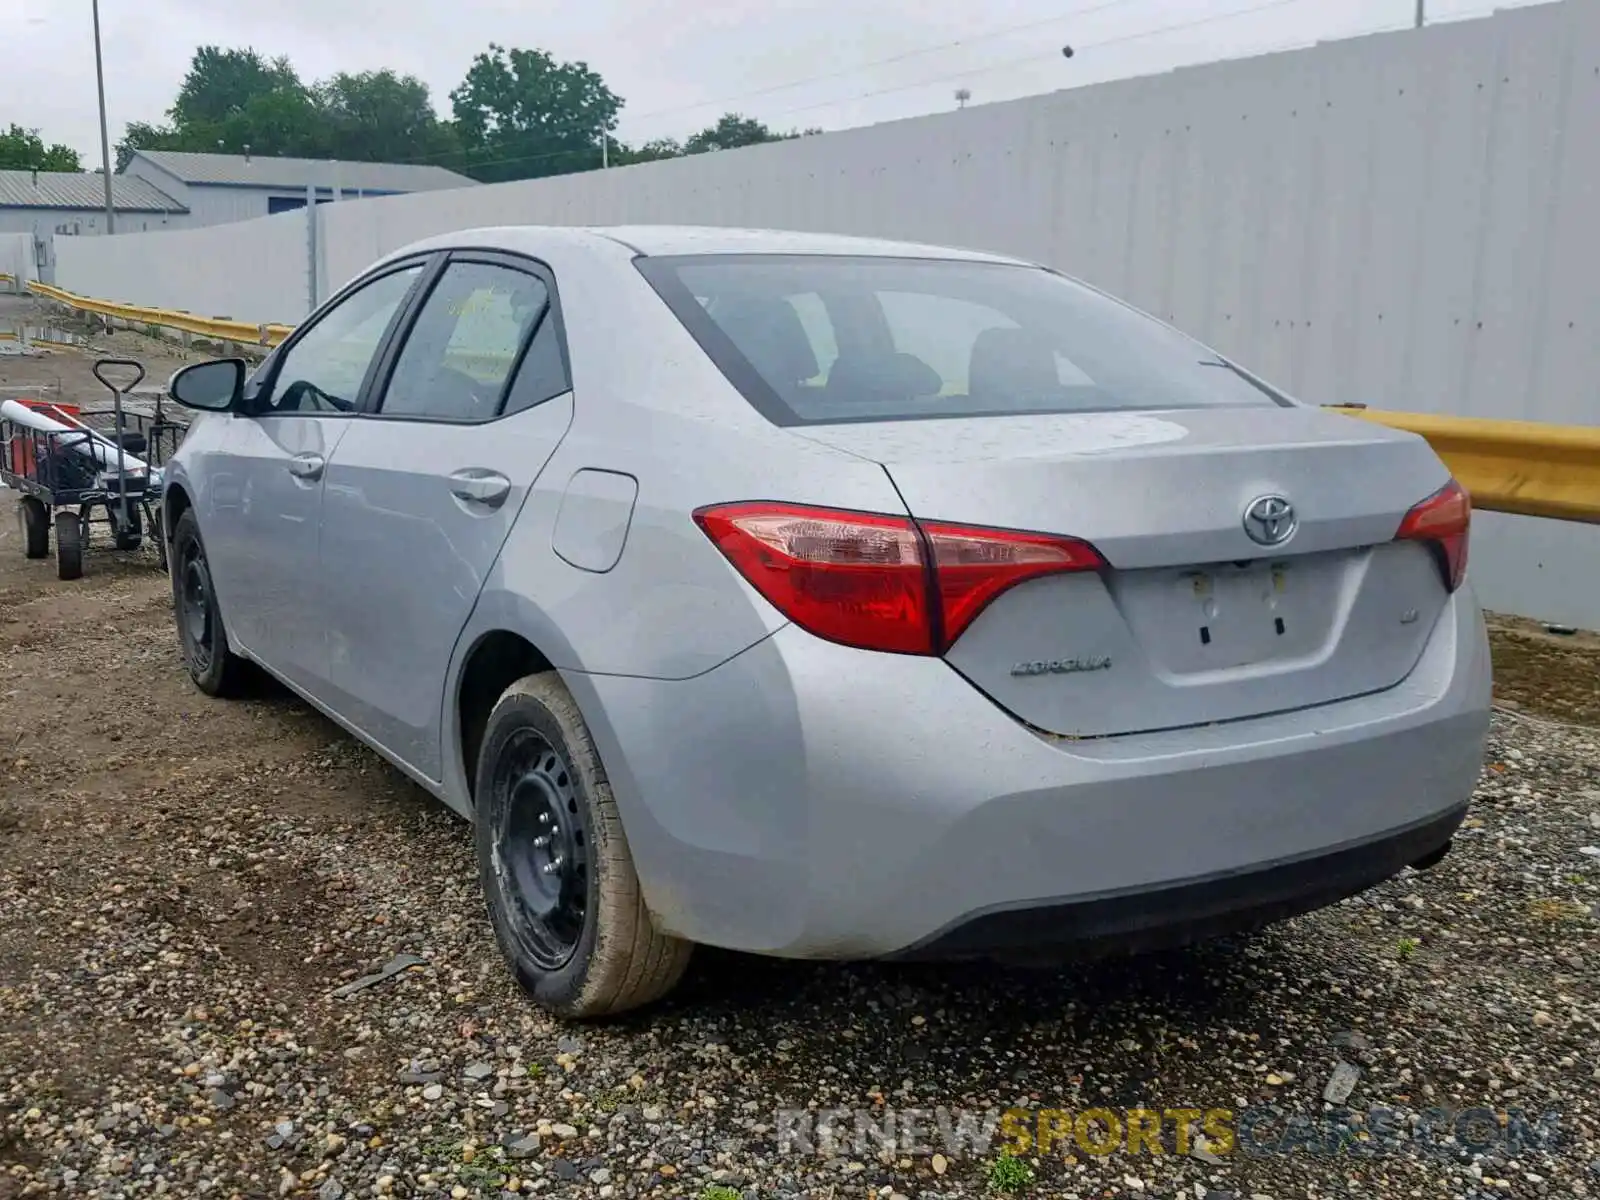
183 883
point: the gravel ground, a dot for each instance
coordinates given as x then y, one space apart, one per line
185 885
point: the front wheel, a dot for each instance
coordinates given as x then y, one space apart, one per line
215 669
71 538
563 895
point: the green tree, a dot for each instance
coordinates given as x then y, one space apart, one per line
221 84
24 150
231 100
378 116
649 152
733 130
521 114
140 135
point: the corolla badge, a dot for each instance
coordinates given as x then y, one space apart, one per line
1062 666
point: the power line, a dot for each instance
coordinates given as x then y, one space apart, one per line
883 62
843 72
1033 58
1178 27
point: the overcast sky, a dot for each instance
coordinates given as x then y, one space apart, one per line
678 64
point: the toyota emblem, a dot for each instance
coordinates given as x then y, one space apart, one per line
1270 520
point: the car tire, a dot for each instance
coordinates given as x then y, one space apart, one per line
215 669
35 518
563 896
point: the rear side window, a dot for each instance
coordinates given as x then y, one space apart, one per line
465 343
814 339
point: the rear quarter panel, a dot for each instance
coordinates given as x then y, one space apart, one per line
648 404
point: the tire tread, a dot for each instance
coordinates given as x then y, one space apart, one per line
230 674
633 963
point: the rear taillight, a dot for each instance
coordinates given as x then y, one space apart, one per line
881 582
1444 520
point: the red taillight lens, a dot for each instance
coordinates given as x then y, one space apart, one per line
881 582
974 565
1444 519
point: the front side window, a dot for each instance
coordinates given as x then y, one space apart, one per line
821 338
465 343
323 370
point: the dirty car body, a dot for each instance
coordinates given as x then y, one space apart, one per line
916 601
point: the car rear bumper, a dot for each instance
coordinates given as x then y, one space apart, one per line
808 800
1154 918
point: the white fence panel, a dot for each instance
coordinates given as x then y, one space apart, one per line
1404 219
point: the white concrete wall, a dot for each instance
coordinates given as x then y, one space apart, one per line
16 262
1405 219
250 271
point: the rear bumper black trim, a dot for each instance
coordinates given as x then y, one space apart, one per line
1180 914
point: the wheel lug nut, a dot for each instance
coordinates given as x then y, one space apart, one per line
542 840
551 867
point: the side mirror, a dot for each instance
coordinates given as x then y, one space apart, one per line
212 386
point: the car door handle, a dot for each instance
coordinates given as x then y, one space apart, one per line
477 486
307 466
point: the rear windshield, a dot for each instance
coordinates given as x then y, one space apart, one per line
815 339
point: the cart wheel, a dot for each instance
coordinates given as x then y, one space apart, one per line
35 526
132 537
69 546
158 531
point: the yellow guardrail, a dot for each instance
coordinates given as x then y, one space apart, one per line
1522 467
223 329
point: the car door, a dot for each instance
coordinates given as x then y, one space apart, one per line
261 531
421 492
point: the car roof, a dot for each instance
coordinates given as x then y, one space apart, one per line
707 239
657 240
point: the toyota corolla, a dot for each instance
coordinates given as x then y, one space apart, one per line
833 598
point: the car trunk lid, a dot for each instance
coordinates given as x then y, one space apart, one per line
1194 619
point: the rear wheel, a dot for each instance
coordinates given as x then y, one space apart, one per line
69 545
35 518
562 892
215 669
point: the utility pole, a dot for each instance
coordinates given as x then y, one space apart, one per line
1422 12
105 140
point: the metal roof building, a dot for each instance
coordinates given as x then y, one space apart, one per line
74 202
218 188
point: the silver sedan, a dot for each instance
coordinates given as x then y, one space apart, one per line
832 598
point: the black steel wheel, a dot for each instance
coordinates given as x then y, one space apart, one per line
215 669
35 519
541 847
562 892
70 543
